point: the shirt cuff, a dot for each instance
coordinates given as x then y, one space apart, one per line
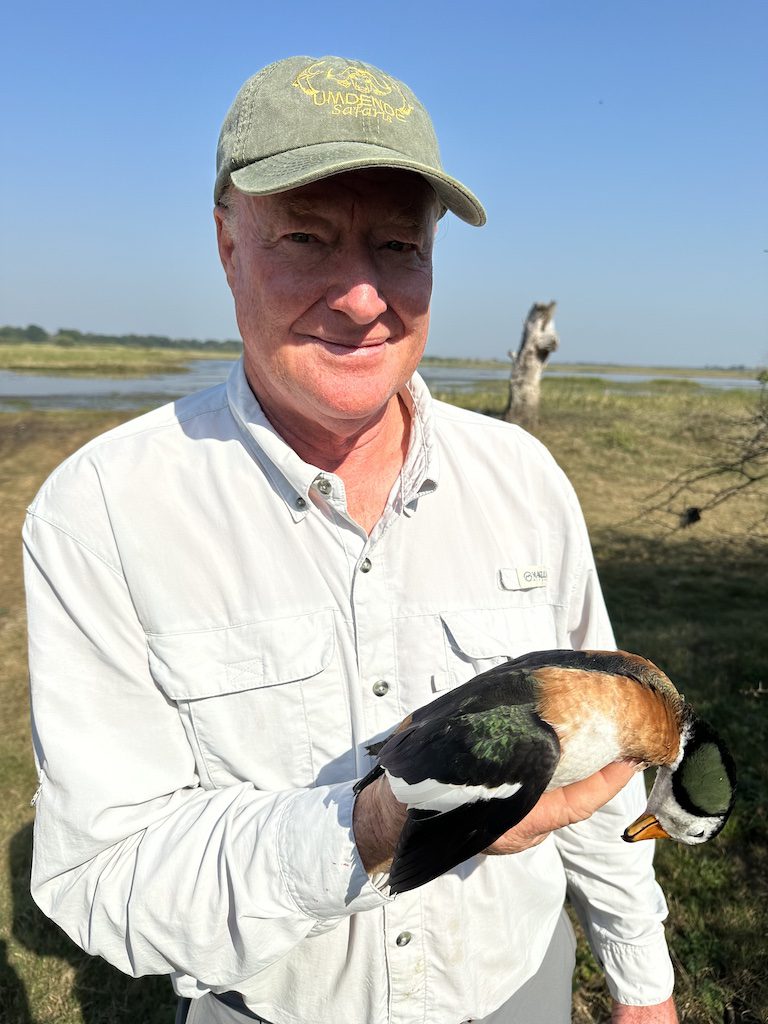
638 975
318 858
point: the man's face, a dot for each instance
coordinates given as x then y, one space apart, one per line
332 283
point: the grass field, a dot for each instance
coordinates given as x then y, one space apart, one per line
558 367
693 600
101 360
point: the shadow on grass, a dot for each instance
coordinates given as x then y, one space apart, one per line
697 607
14 1005
105 995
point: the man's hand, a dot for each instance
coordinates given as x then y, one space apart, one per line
661 1013
378 817
565 806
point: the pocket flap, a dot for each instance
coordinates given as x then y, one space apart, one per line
208 663
480 634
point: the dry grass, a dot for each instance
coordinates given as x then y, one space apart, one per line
101 360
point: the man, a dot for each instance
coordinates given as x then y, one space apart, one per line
230 597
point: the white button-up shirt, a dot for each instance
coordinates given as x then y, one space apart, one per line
213 644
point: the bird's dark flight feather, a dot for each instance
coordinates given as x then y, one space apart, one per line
494 746
433 842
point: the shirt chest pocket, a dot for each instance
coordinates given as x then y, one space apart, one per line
262 702
477 640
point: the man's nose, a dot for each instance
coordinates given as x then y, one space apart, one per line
355 290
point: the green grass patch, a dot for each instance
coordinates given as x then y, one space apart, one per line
101 360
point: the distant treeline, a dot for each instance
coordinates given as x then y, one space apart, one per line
68 336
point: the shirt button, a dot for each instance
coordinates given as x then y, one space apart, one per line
380 687
403 939
324 485
300 502
365 565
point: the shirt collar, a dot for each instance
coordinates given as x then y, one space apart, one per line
420 471
292 478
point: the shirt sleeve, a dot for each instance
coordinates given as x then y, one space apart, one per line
132 857
611 884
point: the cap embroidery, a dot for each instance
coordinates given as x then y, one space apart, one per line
361 94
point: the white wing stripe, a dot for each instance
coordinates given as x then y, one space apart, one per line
431 795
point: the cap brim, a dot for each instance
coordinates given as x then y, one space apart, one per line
289 170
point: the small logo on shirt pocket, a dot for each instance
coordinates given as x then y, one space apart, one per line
524 577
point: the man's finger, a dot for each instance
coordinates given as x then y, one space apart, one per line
565 806
585 797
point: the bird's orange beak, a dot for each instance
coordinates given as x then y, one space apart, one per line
646 827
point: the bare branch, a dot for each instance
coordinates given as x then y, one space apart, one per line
739 465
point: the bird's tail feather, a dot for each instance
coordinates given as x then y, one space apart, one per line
366 780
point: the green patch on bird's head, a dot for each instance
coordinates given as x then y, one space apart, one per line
706 776
705 780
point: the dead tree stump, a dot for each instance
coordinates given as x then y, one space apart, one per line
538 341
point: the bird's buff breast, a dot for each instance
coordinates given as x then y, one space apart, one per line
586 746
600 718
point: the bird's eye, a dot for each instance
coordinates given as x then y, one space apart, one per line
696 835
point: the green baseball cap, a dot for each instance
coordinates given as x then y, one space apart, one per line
306 118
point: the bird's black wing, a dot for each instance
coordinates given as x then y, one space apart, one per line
503 685
479 751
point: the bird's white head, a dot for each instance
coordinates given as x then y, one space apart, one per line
692 799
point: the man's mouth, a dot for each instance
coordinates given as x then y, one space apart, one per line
352 346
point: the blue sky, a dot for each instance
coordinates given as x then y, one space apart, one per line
620 150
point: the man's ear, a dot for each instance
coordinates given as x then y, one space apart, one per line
225 241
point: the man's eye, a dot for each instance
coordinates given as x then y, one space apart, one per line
302 237
396 246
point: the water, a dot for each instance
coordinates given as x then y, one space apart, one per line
48 391
463 379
